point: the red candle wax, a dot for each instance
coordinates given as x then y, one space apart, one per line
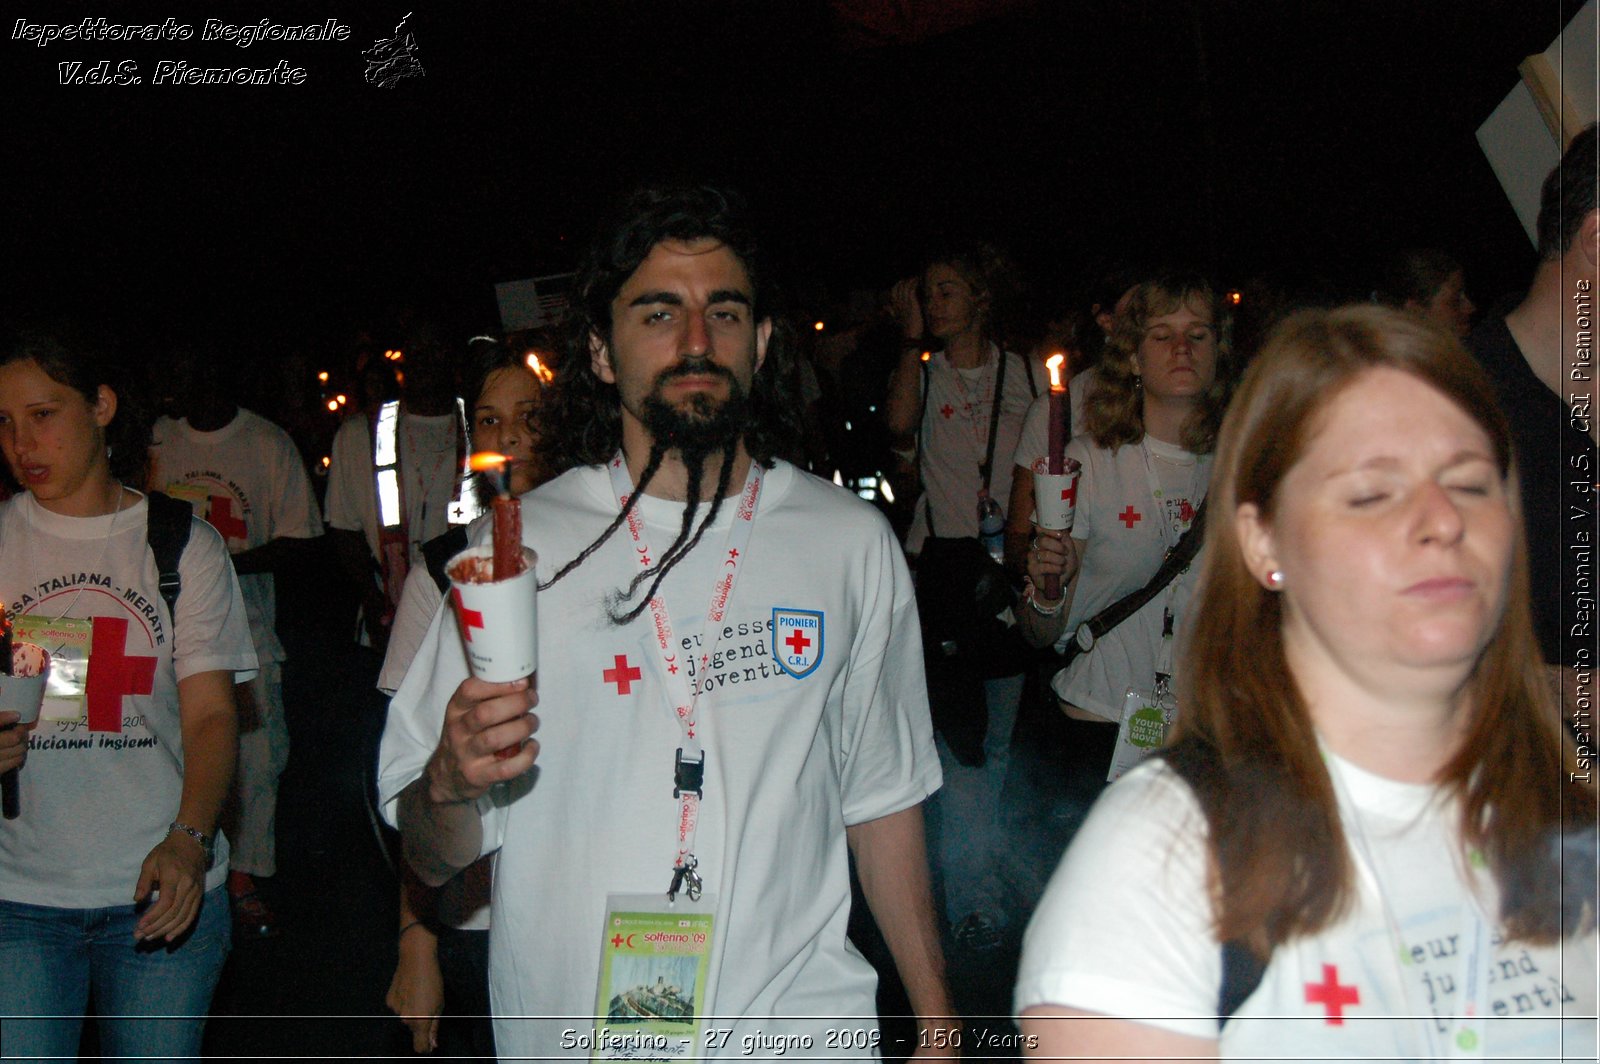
507 537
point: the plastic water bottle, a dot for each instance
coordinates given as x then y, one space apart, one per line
992 527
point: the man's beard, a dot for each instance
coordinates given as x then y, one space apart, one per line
701 425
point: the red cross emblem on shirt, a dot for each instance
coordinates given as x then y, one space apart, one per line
220 516
947 410
470 619
1185 511
1332 996
622 674
113 674
797 641
1130 516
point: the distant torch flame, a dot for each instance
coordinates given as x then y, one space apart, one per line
1055 362
539 369
484 461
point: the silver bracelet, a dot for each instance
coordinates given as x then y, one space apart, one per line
205 841
1054 611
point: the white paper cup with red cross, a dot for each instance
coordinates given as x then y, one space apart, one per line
498 619
1055 496
22 692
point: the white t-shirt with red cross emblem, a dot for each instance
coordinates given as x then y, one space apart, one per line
1125 929
953 438
1121 521
814 717
99 790
247 481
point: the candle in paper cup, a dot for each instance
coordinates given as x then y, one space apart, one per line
22 690
1055 495
498 618
1055 502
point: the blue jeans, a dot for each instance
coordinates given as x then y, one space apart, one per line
967 842
51 958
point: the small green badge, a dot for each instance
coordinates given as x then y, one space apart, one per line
1146 728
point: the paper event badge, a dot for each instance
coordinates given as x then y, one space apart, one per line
22 692
1141 732
655 972
68 641
498 620
1055 497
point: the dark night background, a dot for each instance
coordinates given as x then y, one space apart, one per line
271 224
1311 137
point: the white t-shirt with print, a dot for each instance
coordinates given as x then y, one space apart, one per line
430 459
98 792
247 482
953 439
1127 531
790 762
1125 929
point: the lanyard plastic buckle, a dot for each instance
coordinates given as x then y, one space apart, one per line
688 775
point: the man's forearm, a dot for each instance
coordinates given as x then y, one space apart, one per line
440 839
892 863
354 558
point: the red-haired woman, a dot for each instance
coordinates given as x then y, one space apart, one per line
1355 847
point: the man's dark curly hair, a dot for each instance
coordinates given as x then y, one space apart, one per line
583 423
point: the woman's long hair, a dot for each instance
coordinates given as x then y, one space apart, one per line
1280 863
1114 411
72 356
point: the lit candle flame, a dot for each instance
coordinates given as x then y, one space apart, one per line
484 461
538 368
1055 362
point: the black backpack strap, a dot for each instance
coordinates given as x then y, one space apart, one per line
167 530
438 551
1242 969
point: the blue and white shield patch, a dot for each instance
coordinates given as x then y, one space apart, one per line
797 641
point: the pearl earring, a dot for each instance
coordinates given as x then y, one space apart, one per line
1275 579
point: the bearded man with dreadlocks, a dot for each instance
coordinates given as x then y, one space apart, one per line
703 769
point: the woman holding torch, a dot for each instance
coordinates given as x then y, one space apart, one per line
1145 461
111 876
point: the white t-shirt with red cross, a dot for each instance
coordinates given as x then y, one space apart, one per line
99 790
1127 530
1125 929
807 728
247 481
954 436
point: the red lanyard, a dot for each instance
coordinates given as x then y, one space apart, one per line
689 764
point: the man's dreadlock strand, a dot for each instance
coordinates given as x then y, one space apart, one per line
651 466
673 555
